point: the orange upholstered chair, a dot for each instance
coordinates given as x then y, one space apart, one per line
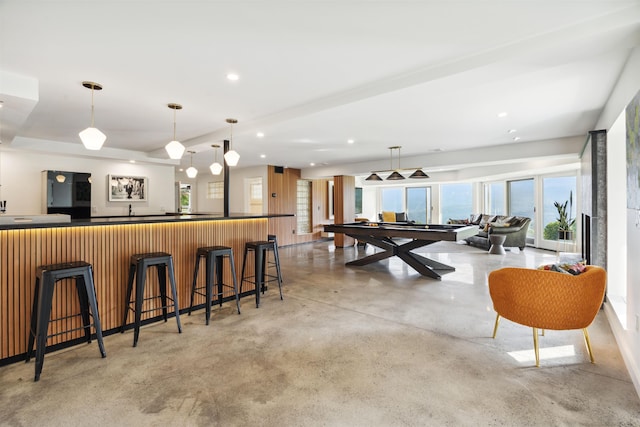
547 299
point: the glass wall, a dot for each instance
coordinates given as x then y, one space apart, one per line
521 197
494 198
392 199
419 204
456 201
561 189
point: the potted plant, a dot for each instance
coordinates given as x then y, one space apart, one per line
565 222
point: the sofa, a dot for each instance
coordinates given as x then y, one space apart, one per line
387 216
513 227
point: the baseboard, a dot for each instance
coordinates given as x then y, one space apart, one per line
627 354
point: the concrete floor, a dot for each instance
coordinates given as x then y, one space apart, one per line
349 346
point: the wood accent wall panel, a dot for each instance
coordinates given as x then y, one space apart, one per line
344 206
108 248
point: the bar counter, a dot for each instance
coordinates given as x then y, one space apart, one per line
107 243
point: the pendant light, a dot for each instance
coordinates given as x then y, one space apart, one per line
395 172
191 171
175 149
215 167
231 156
91 137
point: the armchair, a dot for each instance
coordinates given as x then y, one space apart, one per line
547 299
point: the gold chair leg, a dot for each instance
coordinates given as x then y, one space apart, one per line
495 328
535 346
588 342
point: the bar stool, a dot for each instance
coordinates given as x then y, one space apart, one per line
272 263
214 255
138 269
46 278
261 277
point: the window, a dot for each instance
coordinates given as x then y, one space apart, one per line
522 203
419 204
303 211
494 198
185 197
456 201
215 190
392 199
556 189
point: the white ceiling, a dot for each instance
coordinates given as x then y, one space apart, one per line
425 75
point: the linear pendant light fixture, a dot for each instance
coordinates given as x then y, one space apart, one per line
175 149
91 137
395 174
215 167
191 171
231 156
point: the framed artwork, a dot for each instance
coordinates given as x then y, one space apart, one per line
127 188
633 153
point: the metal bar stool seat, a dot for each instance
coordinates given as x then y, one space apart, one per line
46 278
214 255
261 277
138 270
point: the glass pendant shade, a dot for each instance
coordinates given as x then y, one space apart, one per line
373 177
418 174
395 176
192 172
231 157
216 168
92 138
175 150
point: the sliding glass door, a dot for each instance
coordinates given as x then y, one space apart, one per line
521 202
419 204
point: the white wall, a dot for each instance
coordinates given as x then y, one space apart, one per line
237 194
628 338
20 176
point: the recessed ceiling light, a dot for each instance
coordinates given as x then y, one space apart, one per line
180 170
516 138
503 114
512 131
260 135
233 77
132 161
262 156
312 164
350 141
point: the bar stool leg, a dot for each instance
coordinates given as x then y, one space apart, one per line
277 260
83 297
235 282
91 296
132 272
244 263
218 274
141 276
34 320
162 283
196 267
209 286
174 293
44 310
259 278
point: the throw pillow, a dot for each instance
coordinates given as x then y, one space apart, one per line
401 217
388 216
573 269
458 221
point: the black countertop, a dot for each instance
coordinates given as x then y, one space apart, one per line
139 219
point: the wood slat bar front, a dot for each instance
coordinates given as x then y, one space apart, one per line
108 248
